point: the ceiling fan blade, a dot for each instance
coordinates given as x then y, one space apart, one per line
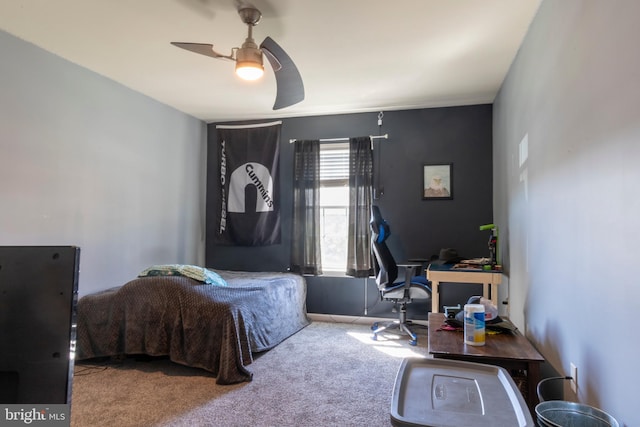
289 87
201 48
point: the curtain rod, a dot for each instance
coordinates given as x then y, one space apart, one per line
385 136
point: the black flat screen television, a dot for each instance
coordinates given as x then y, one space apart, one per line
38 295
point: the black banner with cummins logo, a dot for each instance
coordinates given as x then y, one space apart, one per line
249 213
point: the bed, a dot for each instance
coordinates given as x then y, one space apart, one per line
215 326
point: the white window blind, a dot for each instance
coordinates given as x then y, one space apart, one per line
334 163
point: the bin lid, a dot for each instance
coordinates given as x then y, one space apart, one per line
561 413
442 393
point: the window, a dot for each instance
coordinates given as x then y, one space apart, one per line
334 205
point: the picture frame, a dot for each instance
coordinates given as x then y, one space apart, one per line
437 181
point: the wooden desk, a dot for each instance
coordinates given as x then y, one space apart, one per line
444 273
513 352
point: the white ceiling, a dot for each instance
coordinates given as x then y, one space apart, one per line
353 55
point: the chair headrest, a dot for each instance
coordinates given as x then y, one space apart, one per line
380 230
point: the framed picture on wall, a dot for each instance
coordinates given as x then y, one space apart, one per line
437 181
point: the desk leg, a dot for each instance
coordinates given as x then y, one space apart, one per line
533 377
435 296
494 294
485 290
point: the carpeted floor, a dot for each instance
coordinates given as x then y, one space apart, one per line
328 374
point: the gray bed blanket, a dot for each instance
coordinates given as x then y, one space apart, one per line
212 327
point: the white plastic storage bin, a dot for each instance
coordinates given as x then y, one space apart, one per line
452 393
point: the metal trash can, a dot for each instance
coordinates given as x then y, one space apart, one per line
561 413
547 389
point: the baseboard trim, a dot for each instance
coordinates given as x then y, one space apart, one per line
363 320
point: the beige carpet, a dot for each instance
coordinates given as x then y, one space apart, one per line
328 374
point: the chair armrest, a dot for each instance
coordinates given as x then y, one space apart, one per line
410 270
410 265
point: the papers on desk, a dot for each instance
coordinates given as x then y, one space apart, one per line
472 264
462 266
476 261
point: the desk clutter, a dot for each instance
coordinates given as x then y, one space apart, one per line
444 273
492 321
511 350
480 264
450 257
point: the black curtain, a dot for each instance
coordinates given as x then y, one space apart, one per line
305 246
359 262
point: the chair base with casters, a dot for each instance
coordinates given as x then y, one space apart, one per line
400 294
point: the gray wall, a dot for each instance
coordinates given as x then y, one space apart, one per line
570 213
85 161
461 135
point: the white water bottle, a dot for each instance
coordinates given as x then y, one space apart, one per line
474 332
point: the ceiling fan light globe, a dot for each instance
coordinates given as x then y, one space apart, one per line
249 70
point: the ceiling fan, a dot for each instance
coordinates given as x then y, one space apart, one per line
249 64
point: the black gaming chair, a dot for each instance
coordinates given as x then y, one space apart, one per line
414 286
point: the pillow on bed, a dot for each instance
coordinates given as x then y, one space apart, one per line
197 273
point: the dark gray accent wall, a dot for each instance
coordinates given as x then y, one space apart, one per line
566 159
458 135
